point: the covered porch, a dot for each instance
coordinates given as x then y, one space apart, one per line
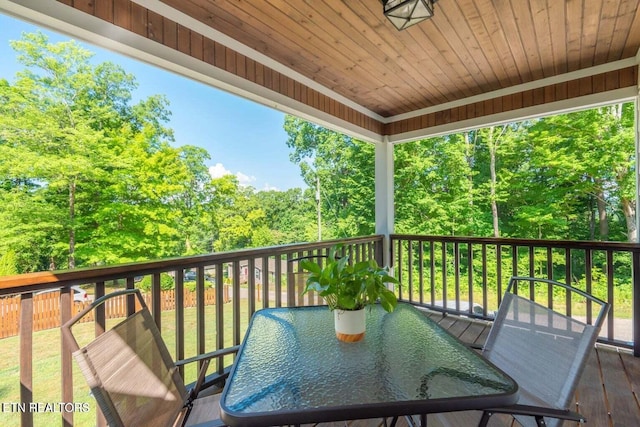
344 66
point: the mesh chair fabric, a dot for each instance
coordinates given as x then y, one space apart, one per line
131 373
544 351
205 410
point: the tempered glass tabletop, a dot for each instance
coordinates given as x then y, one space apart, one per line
292 369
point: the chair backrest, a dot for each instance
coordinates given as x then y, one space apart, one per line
129 370
543 350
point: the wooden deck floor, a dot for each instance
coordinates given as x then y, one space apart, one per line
608 394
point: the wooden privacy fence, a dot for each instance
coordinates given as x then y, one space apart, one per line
46 308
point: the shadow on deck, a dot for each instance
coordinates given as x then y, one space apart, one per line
608 394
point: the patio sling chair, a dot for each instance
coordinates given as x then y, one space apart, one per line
543 350
133 378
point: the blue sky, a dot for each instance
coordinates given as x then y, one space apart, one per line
242 137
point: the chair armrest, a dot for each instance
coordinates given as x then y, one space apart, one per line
205 359
209 356
538 411
214 379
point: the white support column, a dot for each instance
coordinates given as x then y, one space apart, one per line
385 211
637 142
636 256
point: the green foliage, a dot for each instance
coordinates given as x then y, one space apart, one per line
288 215
569 176
8 264
241 220
433 195
349 287
101 178
345 170
166 283
190 285
88 177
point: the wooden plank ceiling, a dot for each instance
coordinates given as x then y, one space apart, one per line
469 47
342 64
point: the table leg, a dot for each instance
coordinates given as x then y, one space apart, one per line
411 421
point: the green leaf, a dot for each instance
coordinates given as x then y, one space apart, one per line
347 302
388 300
310 266
342 262
361 266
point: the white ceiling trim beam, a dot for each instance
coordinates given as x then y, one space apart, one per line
61 18
561 78
537 111
193 24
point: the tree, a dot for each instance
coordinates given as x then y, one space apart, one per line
241 220
560 177
8 264
288 214
46 125
87 177
433 191
592 152
196 192
345 169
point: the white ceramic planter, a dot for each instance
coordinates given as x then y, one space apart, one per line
350 324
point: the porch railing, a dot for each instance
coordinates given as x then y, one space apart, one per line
446 273
468 275
256 278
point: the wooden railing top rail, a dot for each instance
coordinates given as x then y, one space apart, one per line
508 241
32 282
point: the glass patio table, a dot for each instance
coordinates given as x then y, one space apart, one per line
291 369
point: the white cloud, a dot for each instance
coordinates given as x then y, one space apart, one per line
245 179
218 171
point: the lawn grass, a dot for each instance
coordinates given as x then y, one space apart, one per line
46 363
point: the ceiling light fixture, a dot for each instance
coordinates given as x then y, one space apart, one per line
405 13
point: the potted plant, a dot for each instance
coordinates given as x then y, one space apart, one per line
348 289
